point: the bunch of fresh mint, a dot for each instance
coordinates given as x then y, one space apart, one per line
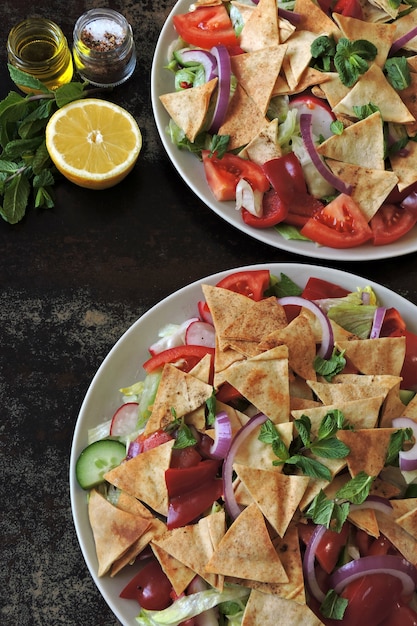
25 166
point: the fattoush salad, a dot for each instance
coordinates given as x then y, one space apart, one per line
264 470
303 112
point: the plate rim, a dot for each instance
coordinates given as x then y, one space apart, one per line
180 301
187 164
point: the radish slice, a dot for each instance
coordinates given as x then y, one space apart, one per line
327 339
321 115
200 334
408 458
171 339
204 312
124 421
223 88
306 133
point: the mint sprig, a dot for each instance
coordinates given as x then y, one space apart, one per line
351 59
26 169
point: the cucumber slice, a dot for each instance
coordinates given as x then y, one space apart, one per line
97 459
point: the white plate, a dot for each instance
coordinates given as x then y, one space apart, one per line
191 170
123 366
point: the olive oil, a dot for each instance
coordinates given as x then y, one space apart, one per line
38 47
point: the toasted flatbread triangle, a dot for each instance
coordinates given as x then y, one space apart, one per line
381 35
276 494
244 119
264 382
188 108
374 87
265 609
376 356
362 413
179 574
264 147
261 27
370 187
257 72
225 306
314 20
262 318
144 477
236 556
354 145
368 449
405 167
408 522
114 530
178 394
194 545
403 25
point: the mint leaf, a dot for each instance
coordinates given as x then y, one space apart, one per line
184 437
396 442
357 489
69 92
330 367
282 286
333 606
351 59
211 409
303 426
310 467
323 49
365 110
327 512
219 145
26 80
16 195
331 448
397 72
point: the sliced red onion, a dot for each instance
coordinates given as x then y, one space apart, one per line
204 57
125 420
401 41
379 316
222 436
292 17
386 563
408 458
376 503
309 563
200 334
231 505
248 198
327 340
306 133
135 448
366 297
224 72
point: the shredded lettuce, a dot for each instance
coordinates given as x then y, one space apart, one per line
189 606
351 313
150 386
288 231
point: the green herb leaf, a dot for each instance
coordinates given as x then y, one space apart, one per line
397 72
357 489
310 467
330 367
327 512
333 606
282 286
351 59
184 437
396 442
331 448
303 426
219 145
16 195
323 49
211 409
337 127
69 92
26 80
365 110
269 434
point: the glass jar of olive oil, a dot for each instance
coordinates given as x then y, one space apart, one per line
38 47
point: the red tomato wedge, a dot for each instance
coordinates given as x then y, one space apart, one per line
390 223
206 27
340 224
250 283
150 587
349 8
224 174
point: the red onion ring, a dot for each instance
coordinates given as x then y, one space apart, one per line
382 564
408 458
332 179
327 341
222 436
231 505
224 72
309 563
378 321
374 502
206 58
401 41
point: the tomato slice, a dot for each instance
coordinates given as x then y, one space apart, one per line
184 357
150 587
206 27
224 174
274 211
340 224
330 546
390 223
401 615
181 480
186 507
317 289
349 8
301 208
371 598
250 283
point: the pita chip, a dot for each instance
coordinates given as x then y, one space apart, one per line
225 306
297 57
374 87
362 518
314 20
381 35
179 574
276 494
243 119
263 317
401 539
114 530
238 557
339 393
362 413
144 477
179 393
262 609
408 522
333 89
370 187
404 25
260 30
264 147
368 449
384 355
257 72
263 381
188 108
405 167
255 454
354 145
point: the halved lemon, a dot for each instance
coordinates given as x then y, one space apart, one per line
93 143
